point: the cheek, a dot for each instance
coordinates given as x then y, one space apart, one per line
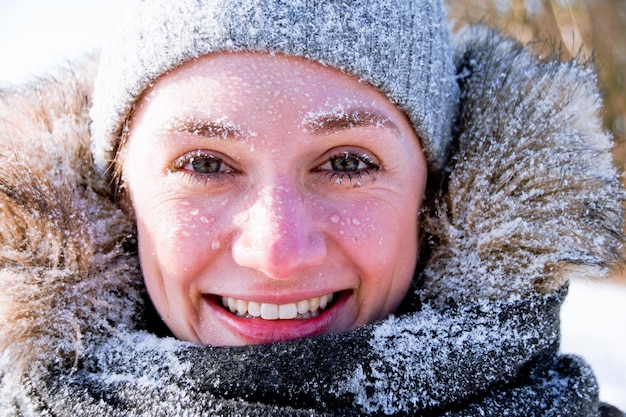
179 240
357 227
380 236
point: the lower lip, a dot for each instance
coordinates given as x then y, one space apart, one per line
258 331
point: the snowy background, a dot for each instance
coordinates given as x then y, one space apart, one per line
37 34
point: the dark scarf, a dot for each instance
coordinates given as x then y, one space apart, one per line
483 358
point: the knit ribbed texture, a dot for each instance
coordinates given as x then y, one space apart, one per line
399 46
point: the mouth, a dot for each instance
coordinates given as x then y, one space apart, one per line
254 322
300 310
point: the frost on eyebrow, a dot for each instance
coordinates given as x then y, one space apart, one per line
217 129
331 121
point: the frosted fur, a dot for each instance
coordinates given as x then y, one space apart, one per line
533 183
477 336
400 47
63 267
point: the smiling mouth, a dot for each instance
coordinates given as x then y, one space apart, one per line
304 309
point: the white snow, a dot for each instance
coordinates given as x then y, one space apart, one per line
594 327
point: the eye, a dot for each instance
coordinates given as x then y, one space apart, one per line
346 163
349 162
203 164
350 165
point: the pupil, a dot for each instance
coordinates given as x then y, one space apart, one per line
344 164
206 165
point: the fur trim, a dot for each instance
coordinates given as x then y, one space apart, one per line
533 197
64 274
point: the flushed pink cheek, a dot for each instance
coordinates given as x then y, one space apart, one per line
366 222
379 239
384 249
362 234
187 239
353 228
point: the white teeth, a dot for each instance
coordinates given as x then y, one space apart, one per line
287 311
269 311
303 306
254 309
232 304
242 307
304 309
314 303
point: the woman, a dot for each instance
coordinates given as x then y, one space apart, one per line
310 239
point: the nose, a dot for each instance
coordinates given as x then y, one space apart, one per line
278 234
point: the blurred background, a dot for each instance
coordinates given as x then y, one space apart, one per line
38 34
585 29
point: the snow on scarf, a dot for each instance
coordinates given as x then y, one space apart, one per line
530 199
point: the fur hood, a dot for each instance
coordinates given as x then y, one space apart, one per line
531 199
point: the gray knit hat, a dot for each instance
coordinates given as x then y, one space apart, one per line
400 46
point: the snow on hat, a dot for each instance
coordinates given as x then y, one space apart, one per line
401 47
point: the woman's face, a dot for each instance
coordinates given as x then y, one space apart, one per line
275 199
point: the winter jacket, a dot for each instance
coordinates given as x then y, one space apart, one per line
530 200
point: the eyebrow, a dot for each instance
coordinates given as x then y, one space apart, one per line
321 123
206 128
325 123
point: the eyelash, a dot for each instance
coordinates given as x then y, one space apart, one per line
365 165
354 177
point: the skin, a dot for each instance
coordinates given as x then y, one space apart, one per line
272 179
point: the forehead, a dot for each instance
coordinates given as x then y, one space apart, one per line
262 69
247 80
